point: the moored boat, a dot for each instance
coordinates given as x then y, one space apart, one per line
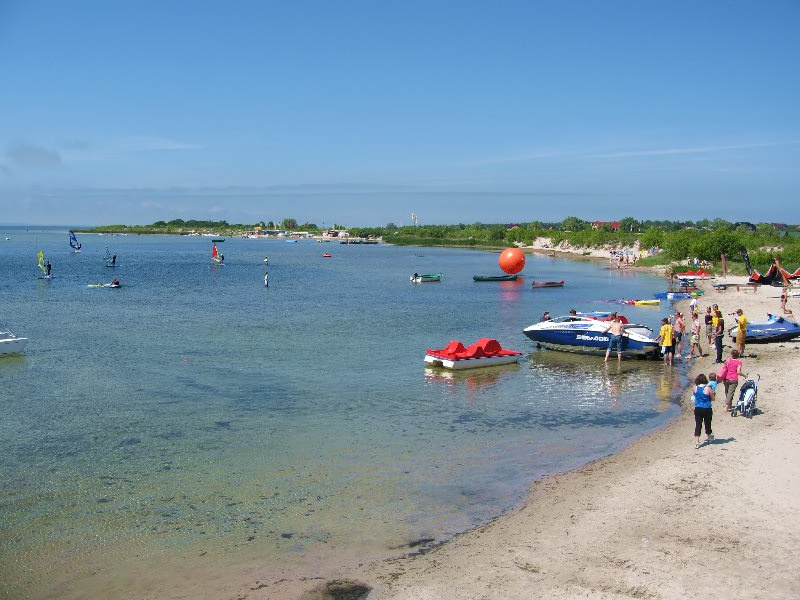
583 335
699 274
774 329
506 277
486 352
426 278
10 343
547 284
677 295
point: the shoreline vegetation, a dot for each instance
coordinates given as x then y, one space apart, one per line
657 244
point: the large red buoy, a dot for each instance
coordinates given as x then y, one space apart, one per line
512 260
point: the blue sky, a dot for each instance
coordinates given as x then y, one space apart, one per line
360 113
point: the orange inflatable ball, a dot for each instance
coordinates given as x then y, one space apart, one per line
511 260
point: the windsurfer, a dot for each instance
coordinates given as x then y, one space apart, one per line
48 267
114 260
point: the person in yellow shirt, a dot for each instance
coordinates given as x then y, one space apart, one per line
741 330
665 339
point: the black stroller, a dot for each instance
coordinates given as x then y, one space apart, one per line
748 394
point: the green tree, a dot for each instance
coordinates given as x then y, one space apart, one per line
289 224
653 236
628 224
573 224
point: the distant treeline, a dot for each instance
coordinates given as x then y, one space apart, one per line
705 239
679 240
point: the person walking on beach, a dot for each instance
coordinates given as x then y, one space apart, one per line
695 338
733 370
719 334
741 331
709 321
616 328
678 328
703 396
665 339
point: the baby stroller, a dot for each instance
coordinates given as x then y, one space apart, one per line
747 398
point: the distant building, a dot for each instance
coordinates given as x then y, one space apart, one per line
745 224
614 225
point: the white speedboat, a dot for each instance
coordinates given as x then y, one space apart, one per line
11 344
588 336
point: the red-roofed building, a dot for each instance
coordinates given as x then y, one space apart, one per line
614 225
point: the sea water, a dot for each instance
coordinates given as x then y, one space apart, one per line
196 415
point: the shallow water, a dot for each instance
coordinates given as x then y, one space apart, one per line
194 412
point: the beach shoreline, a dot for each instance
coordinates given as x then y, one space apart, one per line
659 519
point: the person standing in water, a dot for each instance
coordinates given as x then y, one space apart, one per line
266 279
616 328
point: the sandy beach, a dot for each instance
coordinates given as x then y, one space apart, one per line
660 519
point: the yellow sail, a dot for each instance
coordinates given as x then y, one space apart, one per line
41 262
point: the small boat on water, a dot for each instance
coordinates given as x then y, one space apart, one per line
10 343
506 277
486 352
583 335
677 295
113 285
774 329
653 302
426 278
326 255
547 284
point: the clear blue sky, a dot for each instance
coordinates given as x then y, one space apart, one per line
359 113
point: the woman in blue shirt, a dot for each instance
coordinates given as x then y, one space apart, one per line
703 396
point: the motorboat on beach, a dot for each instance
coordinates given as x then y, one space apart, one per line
486 352
774 329
692 275
585 335
10 343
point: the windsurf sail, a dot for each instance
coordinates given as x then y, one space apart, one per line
73 241
111 259
41 264
215 254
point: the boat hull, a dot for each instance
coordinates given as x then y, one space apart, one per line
580 339
471 363
495 277
547 284
12 345
428 278
779 330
